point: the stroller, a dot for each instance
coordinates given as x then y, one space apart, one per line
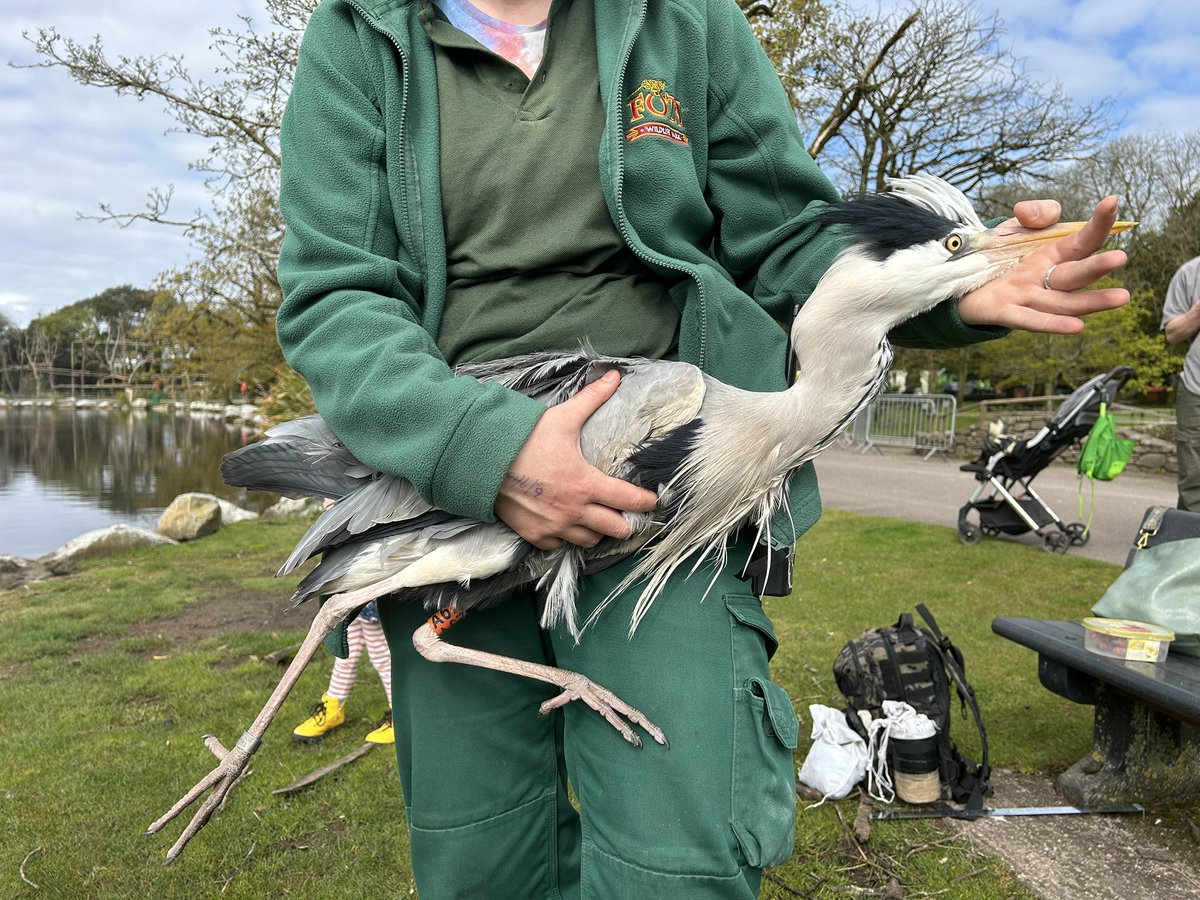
1006 462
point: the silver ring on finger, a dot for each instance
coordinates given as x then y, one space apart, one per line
1046 277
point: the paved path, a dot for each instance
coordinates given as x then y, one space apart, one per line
902 485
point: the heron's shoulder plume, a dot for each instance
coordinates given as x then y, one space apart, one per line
912 211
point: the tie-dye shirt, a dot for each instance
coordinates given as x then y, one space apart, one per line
521 45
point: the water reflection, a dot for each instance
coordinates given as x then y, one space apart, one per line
66 471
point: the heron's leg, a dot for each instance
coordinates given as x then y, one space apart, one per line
428 641
233 762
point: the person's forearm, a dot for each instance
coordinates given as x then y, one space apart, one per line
1182 329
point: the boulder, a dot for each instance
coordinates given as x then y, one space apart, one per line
17 570
286 508
190 516
231 513
103 542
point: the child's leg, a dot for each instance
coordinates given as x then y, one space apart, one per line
377 650
341 681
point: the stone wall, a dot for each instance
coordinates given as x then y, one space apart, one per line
1152 455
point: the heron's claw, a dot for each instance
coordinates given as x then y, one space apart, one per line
228 772
609 705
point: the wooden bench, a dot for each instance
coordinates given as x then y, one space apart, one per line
1147 728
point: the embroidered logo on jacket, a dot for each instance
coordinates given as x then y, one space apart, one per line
653 112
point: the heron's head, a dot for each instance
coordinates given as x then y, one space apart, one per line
920 243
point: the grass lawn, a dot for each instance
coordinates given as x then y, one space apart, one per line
104 704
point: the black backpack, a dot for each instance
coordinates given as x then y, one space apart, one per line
916 664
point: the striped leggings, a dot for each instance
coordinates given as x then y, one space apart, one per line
359 634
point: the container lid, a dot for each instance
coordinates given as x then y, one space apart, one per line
1129 629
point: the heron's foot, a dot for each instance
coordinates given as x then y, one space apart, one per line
228 772
619 714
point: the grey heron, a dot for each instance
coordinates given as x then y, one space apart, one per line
718 457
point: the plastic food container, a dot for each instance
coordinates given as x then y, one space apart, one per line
1123 639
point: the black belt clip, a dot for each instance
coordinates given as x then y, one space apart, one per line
769 571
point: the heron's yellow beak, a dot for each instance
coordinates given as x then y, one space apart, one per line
1012 241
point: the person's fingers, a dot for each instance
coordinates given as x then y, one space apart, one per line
1037 213
606 521
1057 313
621 495
1091 237
579 408
581 536
1071 275
545 543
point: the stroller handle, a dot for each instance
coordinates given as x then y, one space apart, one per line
1120 374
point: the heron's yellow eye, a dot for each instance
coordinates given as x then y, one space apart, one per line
954 243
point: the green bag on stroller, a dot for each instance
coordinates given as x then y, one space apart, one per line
1104 455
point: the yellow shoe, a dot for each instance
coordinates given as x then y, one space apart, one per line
326 716
384 734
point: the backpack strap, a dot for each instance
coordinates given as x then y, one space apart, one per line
974 781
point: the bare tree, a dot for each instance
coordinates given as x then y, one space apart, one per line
932 88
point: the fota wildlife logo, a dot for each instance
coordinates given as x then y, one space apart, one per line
653 112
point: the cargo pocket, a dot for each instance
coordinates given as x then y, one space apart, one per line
765 731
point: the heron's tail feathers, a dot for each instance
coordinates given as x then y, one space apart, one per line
560 585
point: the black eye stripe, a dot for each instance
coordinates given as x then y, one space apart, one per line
881 224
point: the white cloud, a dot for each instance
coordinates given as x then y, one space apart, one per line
68 148
1166 112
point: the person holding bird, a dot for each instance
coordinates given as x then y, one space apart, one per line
465 182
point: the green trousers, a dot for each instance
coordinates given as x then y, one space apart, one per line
1187 447
486 778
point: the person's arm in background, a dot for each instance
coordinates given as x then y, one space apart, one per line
1181 312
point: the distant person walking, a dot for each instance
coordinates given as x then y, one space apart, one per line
1181 324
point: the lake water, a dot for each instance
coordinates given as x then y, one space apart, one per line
64 471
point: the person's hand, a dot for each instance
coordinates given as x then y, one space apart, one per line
1020 299
552 494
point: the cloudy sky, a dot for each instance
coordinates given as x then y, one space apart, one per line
65 149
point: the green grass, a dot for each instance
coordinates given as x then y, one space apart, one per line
100 736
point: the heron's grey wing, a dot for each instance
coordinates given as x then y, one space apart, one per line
300 458
408 557
382 500
656 398
548 377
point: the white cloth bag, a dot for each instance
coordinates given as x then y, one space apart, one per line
837 760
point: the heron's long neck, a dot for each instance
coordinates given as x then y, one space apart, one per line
842 362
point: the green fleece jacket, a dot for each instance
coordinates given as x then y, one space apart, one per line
704 173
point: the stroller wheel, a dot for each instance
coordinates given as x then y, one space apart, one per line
968 533
1078 533
1056 542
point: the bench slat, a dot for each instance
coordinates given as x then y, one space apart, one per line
1172 685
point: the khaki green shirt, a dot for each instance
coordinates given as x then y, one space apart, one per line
534 261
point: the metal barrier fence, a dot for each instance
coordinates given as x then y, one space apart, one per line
915 421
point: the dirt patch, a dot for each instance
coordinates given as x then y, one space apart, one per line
1101 857
229 609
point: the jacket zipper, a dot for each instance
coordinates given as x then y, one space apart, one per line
375 26
644 253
